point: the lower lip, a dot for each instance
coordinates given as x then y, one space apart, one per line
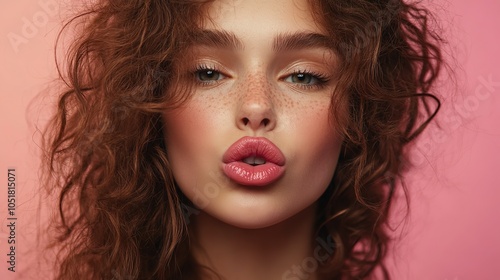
249 175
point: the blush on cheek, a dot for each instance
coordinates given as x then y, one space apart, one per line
187 121
327 141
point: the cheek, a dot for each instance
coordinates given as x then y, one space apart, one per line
199 117
317 143
183 132
311 126
181 128
191 135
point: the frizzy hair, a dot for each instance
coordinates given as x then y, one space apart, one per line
390 60
120 211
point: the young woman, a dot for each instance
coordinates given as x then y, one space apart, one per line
237 139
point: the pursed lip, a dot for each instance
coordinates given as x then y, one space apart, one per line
254 146
270 166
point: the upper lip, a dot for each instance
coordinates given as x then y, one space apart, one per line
254 146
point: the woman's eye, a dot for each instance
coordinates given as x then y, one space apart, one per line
304 79
208 75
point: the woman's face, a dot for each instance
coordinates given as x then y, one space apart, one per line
262 75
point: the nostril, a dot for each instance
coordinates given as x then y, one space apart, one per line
256 123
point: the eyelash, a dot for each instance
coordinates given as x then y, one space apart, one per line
321 79
204 68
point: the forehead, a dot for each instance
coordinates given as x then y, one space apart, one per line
261 15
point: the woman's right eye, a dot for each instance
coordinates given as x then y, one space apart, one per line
208 75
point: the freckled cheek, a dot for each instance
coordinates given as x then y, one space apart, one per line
314 134
312 117
189 129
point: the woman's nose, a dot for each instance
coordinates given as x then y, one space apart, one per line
255 107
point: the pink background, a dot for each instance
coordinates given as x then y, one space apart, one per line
453 232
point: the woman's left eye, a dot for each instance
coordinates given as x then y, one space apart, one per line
306 79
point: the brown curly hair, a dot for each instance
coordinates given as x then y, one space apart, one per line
121 213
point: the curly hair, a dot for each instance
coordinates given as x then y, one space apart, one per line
121 213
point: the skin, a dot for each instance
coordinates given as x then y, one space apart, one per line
245 232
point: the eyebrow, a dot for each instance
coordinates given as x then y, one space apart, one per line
282 42
300 40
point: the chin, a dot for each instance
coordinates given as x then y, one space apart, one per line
253 216
253 222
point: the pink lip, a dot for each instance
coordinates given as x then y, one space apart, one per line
246 174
